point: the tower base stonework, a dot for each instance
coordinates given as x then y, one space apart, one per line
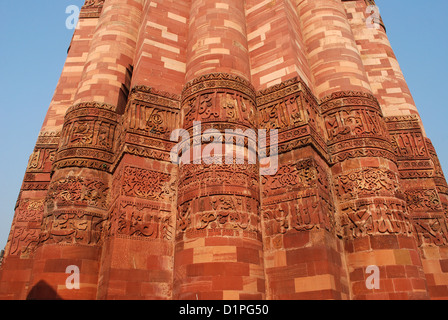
129 192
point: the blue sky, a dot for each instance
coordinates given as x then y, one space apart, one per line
33 47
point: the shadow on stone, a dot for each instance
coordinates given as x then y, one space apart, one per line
43 291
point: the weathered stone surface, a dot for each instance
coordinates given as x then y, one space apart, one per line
111 189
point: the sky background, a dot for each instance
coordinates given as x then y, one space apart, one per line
33 49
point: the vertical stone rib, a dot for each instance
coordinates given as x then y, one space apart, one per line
373 216
381 65
276 49
105 76
143 209
218 252
19 253
67 86
331 49
217 39
78 196
302 255
420 172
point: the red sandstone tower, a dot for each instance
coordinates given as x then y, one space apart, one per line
358 183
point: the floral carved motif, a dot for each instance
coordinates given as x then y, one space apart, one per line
73 190
299 175
423 200
367 182
30 210
146 184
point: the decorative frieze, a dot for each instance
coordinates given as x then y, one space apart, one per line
72 226
375 217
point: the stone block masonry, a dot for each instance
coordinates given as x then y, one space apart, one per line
356 208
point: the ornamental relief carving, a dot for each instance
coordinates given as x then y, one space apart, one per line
291 108
307 212
361 143
407 166
219 81
374 217
155 97
409 145
304 174
366 152
145 152
93 109
348 99
23 241
354 123
284 114
39 158
431 231
284 89
48 139
149 142
408 122
219 211
151 112
87 138
88 133
198 177
92 9
36 186
142 221
423 200
93 3
219 105
367 182
30 210
145 184
218 174
101 165
439 176
151 120
77 191
72 227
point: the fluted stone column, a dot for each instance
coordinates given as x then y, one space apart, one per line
78 198
421 177
218 253
373 217
24 237
140 245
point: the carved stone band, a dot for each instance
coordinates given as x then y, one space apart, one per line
88 134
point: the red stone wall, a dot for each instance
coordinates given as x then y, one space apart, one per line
358 183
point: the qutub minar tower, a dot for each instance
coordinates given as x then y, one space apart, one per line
358 181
